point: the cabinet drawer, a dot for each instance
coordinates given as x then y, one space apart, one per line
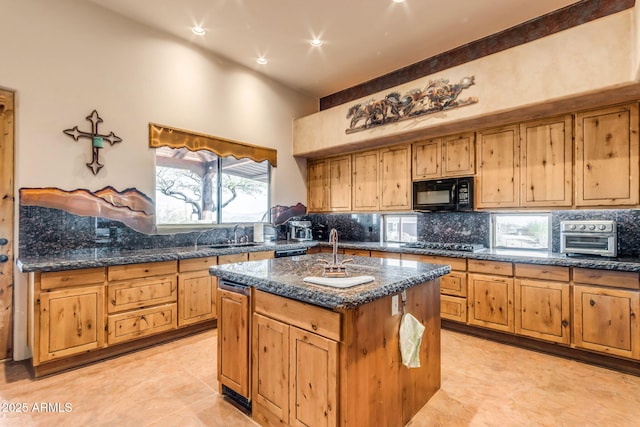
139 323
454 283
490 267
134 271
357 252
228 259
616 279
140 293
453 308
383 254
197 264
306 316
542 272
455 263
255 256
63 279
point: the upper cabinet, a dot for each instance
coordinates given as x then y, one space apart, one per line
366 182
606 147
317 180
395 177
498 180
546 162
340 183
448 156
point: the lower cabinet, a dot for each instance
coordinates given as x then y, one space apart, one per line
196 297
142 322
542 310
491 302
233 341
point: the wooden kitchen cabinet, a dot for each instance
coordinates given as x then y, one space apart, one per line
196 297
449 156
395 178
498 159
366 181
339 183
453 286
233 342
542 310
256 256
607 147
490 301
317 186
71 321
546 162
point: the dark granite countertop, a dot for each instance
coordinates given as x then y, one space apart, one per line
284 277
528 257
103 257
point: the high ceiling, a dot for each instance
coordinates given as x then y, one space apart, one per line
362 39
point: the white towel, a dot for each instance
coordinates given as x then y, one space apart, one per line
411 331
339 282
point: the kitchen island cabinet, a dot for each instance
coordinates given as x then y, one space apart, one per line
328 356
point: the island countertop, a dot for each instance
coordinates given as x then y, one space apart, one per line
284 277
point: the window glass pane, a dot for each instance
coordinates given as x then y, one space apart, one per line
516 231
400 228
245 190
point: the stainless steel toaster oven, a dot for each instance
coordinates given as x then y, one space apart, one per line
589 237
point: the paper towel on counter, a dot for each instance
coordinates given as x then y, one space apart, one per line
411 331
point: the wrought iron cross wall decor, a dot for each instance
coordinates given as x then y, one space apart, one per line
97 140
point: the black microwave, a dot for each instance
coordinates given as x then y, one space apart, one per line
451 194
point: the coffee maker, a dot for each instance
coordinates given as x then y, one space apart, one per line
300 230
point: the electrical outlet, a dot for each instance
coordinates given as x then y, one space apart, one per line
395 309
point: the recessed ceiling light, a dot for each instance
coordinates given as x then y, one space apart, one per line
261 61
198 30
316 42
398 1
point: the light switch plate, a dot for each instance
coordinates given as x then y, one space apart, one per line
395 309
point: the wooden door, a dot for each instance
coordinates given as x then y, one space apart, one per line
458 155
427 158
366 181
607 169
71 322
498 157
196 297
270 371
491 302
546 161
606 320
313 379
317 182
6 223
233 341
395 170
542 310
340 183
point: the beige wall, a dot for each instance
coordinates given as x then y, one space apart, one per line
592 56
68 57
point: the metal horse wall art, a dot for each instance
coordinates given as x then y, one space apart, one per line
438 95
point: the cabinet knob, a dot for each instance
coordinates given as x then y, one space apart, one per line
592 303
565 323
3 241
4 258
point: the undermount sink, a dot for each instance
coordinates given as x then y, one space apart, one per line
339 282
232 245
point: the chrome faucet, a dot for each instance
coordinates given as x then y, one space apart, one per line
235 233
333 239
195 245
334 268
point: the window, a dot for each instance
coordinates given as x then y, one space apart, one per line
200 187
400 228
521 231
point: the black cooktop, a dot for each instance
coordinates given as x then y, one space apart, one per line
464 247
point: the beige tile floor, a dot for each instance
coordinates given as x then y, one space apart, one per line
174 384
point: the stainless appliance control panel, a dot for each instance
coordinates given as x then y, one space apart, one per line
589 237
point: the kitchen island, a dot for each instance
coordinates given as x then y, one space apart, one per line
299 353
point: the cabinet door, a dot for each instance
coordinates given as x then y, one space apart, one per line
313 379
366 181
196 297
129 294
542 310
427 157
270 371
491 302
458 155
498 180
395 178
546 161
71 322
135 324
607 169
340 183
317 183
606 320
233 341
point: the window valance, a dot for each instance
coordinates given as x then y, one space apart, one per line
165 136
